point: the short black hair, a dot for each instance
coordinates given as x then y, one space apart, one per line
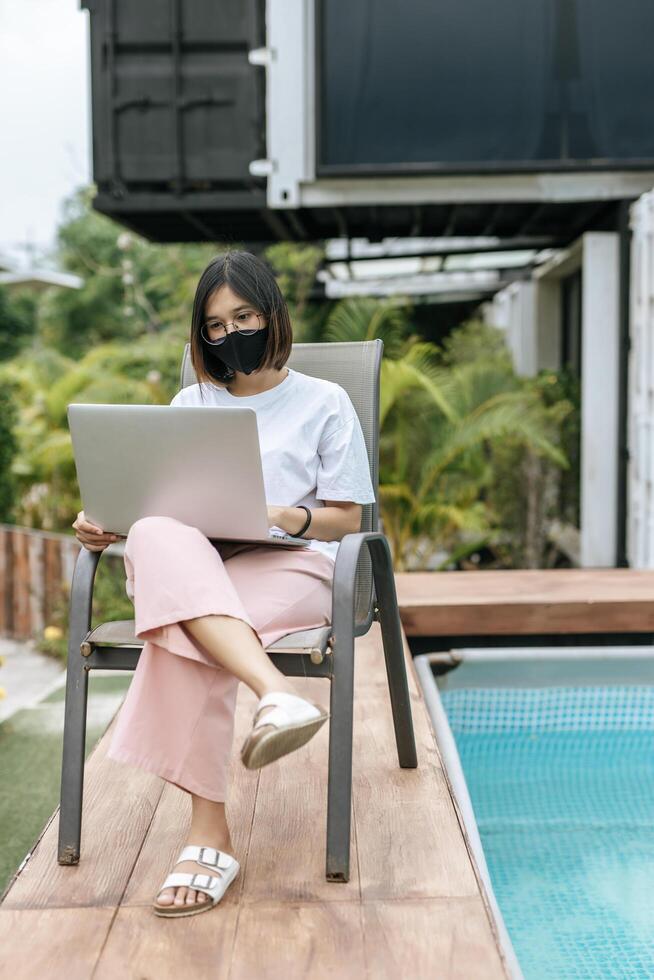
252 278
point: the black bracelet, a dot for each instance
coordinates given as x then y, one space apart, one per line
307 522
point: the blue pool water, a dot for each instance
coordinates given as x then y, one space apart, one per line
562 785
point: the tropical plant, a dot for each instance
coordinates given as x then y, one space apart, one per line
8 451
442 413
110 602
364 318
439 429
529 493
17 322
44 384
131 286
471 455
295 268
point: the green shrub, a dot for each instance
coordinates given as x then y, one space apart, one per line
110 602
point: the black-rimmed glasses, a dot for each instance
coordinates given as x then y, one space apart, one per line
246 323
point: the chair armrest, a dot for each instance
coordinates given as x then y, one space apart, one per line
81 595
347 557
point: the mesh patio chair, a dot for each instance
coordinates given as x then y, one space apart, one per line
363 590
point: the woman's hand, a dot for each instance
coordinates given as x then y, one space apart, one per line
286 518
92 537
275 515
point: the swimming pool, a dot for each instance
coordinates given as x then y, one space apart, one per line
551 757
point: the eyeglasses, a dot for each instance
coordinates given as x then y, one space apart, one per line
245 323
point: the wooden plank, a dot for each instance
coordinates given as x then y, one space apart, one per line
286 860
145 946
119 803
446 939
21 584
319 941
371 680
36 582
52 576
412 905
52 942
407 812
401 811
565 600
69 551
5 584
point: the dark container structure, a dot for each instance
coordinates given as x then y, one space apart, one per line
408 91
178 113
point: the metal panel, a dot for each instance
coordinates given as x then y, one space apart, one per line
452 87
176 105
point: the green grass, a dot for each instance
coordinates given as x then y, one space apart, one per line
30 764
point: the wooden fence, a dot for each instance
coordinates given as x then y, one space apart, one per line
36 568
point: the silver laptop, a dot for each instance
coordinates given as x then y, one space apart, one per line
199 464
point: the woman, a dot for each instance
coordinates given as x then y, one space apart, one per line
208 610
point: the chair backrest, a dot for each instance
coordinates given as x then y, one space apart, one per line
356 367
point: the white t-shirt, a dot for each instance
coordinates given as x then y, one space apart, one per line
312 446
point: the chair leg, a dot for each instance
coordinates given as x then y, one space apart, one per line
339 789
77 685
389 618
72 769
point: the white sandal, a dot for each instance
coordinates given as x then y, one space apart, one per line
291 722
214 886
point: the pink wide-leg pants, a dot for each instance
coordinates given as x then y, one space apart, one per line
177 719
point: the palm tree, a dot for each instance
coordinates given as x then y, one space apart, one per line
44 383
438 426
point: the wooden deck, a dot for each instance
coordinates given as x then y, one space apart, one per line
518 601
413 907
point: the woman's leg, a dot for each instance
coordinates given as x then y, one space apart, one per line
237 648
178 717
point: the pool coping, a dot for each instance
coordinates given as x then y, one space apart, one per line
459 790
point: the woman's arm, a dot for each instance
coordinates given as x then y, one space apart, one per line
329 523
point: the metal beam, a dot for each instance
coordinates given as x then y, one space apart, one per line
473 189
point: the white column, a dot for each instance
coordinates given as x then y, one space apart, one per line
513 309
529 313
599 398
548 324
640 412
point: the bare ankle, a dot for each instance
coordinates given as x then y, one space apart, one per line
275 686
210 837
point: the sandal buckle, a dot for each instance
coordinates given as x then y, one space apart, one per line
214 863
196 883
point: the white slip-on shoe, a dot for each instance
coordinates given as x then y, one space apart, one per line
290 723
214 885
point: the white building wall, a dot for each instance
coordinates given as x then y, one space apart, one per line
548 324
530 313
513 309
600 336
640 405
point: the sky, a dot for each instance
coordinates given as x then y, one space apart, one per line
44 118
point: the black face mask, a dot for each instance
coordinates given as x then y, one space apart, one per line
242 353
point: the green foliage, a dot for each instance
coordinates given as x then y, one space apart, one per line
144 372
363 318
8 450
473 340
448 416
527 488
131 286
17 322
110 602
471 455
295 268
